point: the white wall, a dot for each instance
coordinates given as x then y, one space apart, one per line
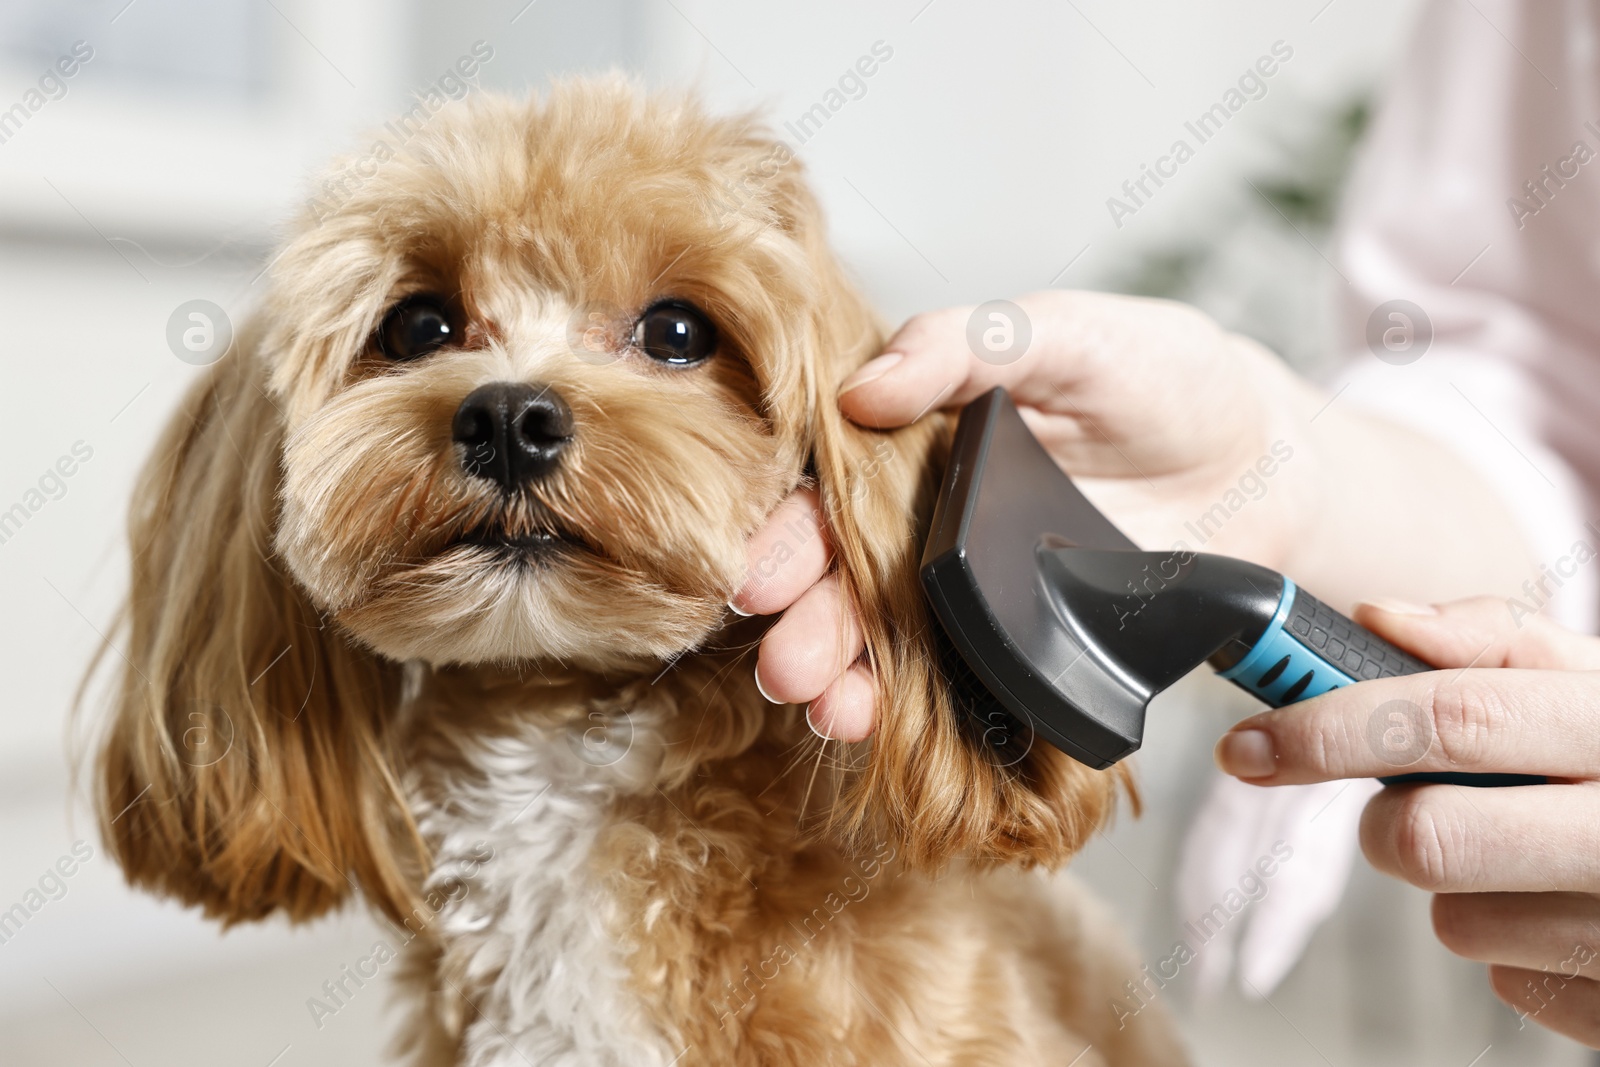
993 138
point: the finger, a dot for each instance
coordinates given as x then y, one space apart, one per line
1558 932
926 365
787 556
1451 839
1570 1007
846 709
810 646
1520 721
1483 631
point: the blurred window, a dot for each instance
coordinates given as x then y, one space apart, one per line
171 46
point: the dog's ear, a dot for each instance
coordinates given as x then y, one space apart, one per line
245 766
936 778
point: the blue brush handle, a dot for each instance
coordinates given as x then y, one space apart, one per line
1308 649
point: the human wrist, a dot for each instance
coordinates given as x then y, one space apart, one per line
1288 407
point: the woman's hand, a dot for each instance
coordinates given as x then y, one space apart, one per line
1157 413
1516 870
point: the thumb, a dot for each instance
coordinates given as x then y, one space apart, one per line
1482 631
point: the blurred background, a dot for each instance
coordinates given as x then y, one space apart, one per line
976 163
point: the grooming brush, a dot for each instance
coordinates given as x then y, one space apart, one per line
1059 619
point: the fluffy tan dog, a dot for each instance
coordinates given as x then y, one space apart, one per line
428 603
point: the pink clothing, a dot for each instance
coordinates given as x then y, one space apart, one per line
1478 199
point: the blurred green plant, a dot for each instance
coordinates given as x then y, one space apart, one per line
1309 194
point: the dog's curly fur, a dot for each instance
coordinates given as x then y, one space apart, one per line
552 772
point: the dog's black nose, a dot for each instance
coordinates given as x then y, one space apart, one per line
513 433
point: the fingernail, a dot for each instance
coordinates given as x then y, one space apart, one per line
871 371
813 726
737 610
1401 607
762 689
1246 754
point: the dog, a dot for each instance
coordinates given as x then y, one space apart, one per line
428 606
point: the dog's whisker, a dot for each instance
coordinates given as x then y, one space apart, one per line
800 749
815 767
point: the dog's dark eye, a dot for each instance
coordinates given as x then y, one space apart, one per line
415 327
675 332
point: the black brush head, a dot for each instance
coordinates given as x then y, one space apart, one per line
1001 492
1055 617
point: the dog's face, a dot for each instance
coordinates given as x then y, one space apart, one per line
539 390
523 386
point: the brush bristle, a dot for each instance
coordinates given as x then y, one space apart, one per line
992 727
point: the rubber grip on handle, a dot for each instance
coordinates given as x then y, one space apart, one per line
1360 655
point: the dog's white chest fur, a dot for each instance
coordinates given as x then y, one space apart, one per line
525 932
